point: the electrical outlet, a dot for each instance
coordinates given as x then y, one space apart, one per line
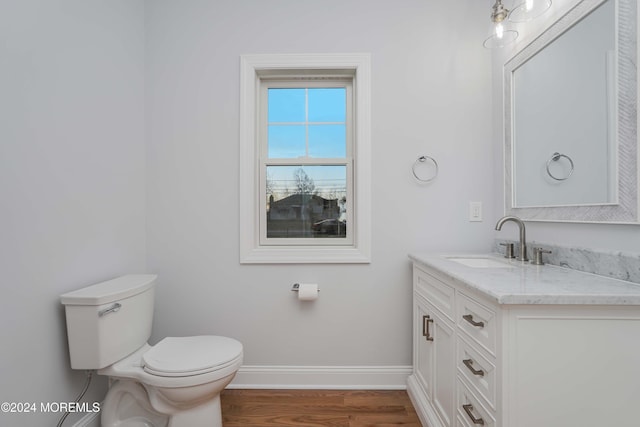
475 211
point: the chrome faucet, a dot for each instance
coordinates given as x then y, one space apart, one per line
523 239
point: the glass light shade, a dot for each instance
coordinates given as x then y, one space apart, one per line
528 10
500 37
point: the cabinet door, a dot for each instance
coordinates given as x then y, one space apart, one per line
445 372
574 366
435 359
423 346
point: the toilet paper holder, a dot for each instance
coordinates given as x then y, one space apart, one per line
296 287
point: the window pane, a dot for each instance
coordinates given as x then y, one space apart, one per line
306 201
328 141
327 105
285 142
286 105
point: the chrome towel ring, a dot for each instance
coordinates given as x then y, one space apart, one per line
554 158
423 159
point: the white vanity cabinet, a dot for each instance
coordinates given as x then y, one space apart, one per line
480 359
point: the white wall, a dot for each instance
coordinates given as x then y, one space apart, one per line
76 105
72 192
605 237
431 95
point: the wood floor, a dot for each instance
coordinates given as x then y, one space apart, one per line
317 408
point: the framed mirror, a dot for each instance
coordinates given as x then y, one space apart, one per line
570 100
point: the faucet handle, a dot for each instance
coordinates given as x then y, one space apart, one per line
537 256
509 253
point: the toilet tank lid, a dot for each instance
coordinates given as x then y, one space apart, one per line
110 290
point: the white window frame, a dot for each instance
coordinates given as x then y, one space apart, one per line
254 71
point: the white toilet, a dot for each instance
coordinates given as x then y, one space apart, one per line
176 383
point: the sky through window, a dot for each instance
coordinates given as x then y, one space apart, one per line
305 123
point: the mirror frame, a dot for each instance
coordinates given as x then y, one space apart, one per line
626 209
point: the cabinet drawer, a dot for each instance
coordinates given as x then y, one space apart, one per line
478 321
470 412
438 293
478 370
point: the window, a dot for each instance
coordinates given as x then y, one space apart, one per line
305 155
305 161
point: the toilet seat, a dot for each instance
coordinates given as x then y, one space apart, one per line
133 366
187 356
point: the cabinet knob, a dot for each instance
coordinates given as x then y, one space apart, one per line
468 408
469 318
426 319
469 364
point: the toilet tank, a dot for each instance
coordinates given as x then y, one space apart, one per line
109 320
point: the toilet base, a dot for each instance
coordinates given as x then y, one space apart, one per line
127 405
207 414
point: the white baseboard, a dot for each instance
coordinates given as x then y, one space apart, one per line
92 419
322 377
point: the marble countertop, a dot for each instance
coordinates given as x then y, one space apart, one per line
515 282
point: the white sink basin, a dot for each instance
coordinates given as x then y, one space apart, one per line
479 262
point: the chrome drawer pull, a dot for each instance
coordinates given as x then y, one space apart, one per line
469 318
469 364
426 319
115 307
468 408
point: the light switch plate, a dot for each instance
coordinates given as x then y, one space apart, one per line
475 211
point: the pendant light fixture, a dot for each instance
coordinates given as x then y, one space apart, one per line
499 35
528 10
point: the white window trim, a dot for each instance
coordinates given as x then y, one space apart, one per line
251 251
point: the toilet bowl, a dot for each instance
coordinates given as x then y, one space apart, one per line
182 378
175 383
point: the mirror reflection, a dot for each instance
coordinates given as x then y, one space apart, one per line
571 118
564 117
